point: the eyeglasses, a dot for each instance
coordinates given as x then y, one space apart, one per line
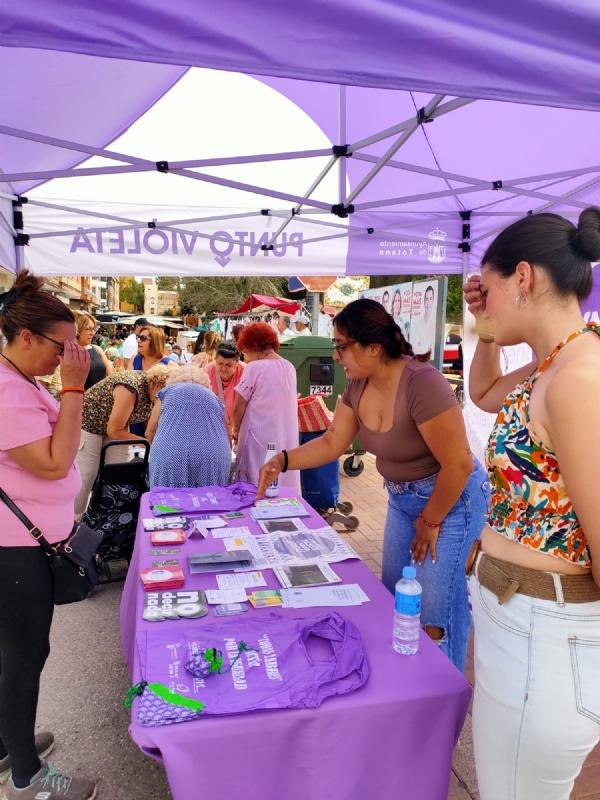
339 348
60 345
142 337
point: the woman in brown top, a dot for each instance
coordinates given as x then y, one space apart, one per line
407 415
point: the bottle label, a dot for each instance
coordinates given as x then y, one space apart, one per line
408 604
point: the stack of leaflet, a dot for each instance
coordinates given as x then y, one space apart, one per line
287 507
173 536
323 596
155 580
218 562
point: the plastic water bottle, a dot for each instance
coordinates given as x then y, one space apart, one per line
407 613
273 489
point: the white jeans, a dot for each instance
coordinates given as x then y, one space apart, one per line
536 713
88 461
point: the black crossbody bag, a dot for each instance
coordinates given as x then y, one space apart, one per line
76 569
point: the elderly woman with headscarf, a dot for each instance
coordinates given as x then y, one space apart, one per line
190 445
224 373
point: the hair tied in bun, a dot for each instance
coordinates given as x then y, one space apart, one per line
586 237
7 299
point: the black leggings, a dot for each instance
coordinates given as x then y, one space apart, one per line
26 608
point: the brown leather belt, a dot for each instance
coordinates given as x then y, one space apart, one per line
504 579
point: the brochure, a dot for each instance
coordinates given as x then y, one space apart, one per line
217 562
288 525
225 533
297 576
240 580
323 596
301 547
278 512
216 597
278 501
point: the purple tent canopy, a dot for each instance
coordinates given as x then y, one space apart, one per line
423 178
543 52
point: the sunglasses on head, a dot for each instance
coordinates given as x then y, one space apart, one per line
142 337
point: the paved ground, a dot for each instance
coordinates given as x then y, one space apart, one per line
86 679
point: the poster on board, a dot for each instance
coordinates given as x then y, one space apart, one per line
427 318
397 301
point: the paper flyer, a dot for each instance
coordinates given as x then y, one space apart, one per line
324 596
301 547
241 580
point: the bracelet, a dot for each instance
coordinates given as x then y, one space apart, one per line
429 524
78 389
285 460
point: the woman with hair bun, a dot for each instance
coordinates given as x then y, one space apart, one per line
535 582
38 444
407 415
266 404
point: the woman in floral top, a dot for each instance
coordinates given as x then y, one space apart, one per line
109 408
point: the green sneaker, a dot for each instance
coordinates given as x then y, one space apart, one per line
51 784
44 744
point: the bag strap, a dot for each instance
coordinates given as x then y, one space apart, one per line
33 529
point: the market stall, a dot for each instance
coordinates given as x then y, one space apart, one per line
394 732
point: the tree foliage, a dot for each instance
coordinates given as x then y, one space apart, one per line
132 292
208 295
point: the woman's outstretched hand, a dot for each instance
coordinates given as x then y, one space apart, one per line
268 474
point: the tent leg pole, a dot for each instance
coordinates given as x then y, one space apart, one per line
342 140
18 226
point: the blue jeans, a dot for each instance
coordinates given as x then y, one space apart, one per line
445 598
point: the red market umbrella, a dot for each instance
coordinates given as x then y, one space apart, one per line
260 303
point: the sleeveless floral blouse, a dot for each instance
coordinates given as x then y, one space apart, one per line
529 502
98 401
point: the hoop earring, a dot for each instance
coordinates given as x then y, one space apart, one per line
519 298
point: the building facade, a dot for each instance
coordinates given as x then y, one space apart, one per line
157 302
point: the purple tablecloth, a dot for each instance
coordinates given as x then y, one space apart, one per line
391 739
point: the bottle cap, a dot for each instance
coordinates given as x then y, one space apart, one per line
409 573
271 446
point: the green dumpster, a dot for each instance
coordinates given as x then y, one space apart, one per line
318 373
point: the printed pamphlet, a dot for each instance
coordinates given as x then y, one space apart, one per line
292 576
240 580
220 596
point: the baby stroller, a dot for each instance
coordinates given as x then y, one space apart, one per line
321 485
115 505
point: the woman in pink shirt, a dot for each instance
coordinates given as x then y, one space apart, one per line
266 406
224 373
38 445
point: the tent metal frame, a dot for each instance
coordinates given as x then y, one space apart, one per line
305 206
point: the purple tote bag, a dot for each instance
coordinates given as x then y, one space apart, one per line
203 500
277 673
